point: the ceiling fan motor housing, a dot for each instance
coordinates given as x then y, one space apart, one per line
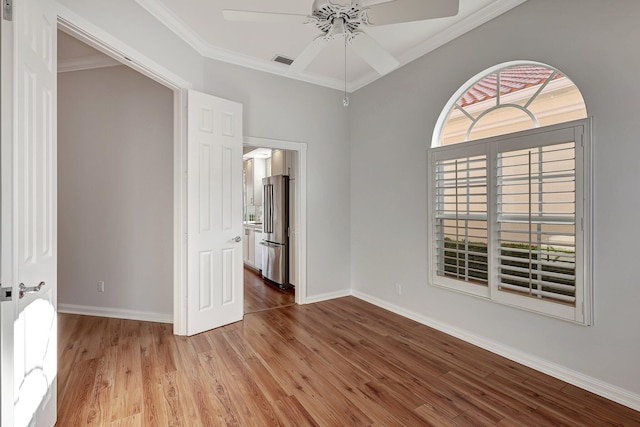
336 19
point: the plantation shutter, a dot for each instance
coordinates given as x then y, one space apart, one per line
460 190
536 222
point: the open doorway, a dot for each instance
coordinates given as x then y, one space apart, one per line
270 229
115 180
116 49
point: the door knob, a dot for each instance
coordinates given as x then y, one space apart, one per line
23 290
237 239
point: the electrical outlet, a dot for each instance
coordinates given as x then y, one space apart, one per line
101 286
398 289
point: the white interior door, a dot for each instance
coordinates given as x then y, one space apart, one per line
29 232
214 201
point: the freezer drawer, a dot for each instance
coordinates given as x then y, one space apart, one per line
275 263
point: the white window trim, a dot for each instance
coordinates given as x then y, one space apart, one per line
578 131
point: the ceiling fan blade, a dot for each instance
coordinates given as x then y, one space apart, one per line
397 11
309 53
367 48
251 16
370 3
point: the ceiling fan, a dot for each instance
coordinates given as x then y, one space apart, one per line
348 19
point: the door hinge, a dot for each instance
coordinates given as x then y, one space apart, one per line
7 10
6 294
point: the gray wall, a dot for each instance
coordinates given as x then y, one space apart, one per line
115 188
285 109
274 107
356 240
595 43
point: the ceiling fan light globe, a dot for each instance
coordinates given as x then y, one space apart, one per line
339 27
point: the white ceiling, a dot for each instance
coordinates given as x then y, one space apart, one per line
70 48
254 45
74 55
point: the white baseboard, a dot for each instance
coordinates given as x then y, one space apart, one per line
617 394
116 313
329 295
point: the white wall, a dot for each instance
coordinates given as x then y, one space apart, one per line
285 109
392 121
115 186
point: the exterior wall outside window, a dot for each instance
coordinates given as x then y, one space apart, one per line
558 101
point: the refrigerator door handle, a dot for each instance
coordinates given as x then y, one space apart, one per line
271 245
265 209
271 201
268 192
265 223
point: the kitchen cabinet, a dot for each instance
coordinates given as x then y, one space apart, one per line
259 172
248 246
291 164
254 171
252 249
248 182
252 246
277 162
245 246
258 249
283 163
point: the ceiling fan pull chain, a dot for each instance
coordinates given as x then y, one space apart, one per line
345 100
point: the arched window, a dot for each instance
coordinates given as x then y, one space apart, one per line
509 98
509 192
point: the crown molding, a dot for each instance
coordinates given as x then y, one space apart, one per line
469 23
88 62
96 37
175 24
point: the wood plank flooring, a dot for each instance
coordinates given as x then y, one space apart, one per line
336 363
259 295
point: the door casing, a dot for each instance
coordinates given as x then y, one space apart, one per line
102 41
301 205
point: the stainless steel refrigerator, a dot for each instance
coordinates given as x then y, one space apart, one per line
275 230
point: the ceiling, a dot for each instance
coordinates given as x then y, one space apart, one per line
254 45
74 55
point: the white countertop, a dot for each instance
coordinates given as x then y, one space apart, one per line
257 227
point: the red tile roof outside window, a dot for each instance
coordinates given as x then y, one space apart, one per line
530 95
511 80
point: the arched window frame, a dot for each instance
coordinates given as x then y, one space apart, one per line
490 151
436 140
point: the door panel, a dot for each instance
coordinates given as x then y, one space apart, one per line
214 193
29 193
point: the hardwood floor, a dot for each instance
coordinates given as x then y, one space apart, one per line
335 363
259 295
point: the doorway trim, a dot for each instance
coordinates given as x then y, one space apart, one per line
301 205
78 27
